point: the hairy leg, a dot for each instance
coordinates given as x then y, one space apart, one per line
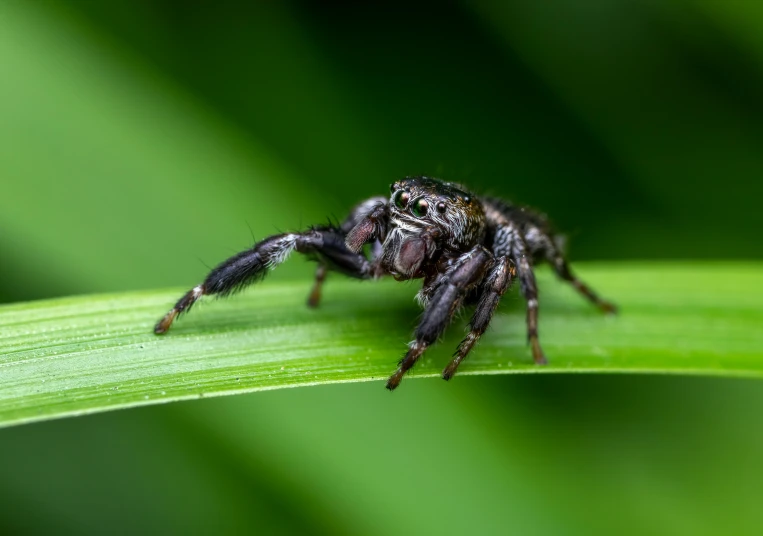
544 246
508 241
529 290
325 245
314 299
452 288
496 283
563 270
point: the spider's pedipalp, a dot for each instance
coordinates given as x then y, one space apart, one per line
367 224
374 205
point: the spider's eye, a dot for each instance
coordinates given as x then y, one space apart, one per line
420 207
441 207
401 199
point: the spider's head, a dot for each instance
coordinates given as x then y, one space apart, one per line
422 209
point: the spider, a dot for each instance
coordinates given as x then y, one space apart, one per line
467 249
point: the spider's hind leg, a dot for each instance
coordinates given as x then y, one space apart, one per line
563 270
544 245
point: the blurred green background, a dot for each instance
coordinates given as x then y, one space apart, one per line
140 141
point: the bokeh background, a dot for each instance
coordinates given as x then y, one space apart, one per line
143 140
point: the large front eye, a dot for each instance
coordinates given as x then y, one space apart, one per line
401 199
420 207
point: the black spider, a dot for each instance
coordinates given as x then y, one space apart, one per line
467 249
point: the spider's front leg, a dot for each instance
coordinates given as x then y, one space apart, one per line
326 245
496 283
452 287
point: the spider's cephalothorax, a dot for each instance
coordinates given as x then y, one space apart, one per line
428 220
467 249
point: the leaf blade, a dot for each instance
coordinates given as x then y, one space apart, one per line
88 354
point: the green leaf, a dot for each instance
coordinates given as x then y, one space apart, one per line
88 354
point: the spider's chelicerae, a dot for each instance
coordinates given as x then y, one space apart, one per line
467 249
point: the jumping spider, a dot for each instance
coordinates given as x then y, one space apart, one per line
467 249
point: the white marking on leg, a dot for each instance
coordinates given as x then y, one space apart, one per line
285 246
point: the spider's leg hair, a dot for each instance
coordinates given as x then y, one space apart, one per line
251 232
